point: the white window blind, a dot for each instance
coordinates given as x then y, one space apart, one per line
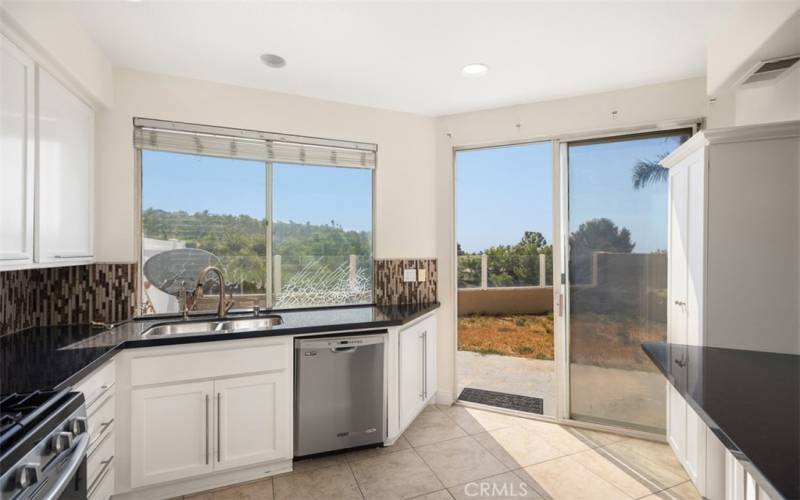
250 145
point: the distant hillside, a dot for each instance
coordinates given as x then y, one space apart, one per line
243 235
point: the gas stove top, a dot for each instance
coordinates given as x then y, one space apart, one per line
21 411
43 441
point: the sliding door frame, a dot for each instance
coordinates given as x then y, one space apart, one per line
560 179
562 150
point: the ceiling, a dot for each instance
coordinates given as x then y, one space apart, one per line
408 56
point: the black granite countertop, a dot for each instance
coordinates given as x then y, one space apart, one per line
54 357
749 399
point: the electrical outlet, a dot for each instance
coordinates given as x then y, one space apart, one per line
422 275
409 275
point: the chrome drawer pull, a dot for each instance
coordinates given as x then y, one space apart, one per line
219 425
105 389
99 479
206 429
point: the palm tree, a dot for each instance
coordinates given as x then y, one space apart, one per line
649 172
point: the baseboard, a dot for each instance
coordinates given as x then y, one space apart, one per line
205 483
444 398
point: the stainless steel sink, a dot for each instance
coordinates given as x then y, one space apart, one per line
230 325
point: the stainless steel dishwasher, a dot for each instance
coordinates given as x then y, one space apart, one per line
340 392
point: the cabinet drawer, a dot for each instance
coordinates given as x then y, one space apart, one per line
95 387
99 460
101 420
104 485
219 362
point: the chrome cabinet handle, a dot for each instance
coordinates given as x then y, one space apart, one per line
422 368
219 427
99 479
73 256
425 364
206 429
105 389
105 425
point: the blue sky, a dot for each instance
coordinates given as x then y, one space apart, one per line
600 186
503 192
303 194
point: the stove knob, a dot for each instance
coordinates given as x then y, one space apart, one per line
28 474
78 425
61 441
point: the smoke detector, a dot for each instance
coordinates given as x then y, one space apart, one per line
768 71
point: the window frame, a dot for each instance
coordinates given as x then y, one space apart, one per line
139 227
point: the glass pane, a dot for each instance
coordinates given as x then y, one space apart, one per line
618 278
504 217
322 235
214 204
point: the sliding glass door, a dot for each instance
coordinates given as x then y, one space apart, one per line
617 277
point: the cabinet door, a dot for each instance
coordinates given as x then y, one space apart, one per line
253 419
65 150
16 155
676 423
171 432
429 352
676 307
695 463
678 254
410 379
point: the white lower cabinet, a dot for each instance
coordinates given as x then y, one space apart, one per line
696 447
197 412
417 368
249 426
410 382
171 430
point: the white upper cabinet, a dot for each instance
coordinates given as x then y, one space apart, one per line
65 150
16 155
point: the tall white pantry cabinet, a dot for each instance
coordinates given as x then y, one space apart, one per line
734 272
46 166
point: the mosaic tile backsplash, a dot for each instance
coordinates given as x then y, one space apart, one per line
67 295
391 289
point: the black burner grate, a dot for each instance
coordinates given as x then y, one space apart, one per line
502 400
18 411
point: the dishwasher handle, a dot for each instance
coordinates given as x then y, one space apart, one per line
340 350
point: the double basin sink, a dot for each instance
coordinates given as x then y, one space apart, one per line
226 325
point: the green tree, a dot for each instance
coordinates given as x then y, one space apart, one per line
596 235
649 172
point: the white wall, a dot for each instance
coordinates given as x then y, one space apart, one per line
405 216
647 105
758 31
780 100
63 45
773 103
740 42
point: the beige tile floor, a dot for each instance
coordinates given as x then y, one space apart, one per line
463 453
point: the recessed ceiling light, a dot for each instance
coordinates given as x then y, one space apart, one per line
273 60
476 69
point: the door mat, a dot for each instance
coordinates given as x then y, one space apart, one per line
502 400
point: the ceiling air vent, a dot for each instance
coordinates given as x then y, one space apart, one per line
768 71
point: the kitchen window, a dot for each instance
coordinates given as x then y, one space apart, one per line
287 219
